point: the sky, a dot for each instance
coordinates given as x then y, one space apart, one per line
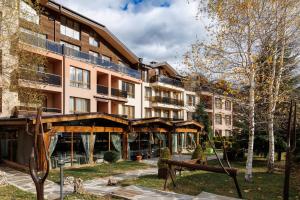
156 30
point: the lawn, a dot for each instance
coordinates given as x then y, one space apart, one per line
10 192
265 186
97 171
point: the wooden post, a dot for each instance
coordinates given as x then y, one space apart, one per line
197 138
72 148
125 145
170 141
91 158
108 141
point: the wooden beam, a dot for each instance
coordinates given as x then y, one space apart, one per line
186 130
72 149
125 146
74 117
148 129
88 129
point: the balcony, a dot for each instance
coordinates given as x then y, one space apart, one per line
101 89
60 49
167 100
42 77
21 111
118 93
166 80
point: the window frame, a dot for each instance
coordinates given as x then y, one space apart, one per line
75 103
80 83
216 119
70 28
126 87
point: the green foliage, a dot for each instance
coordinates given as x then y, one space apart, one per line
198 153
164 154
202 116
111 156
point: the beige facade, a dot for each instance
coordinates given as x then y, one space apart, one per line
106 78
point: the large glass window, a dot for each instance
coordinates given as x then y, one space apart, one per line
129 111
166 114
227 105
218 103
157 113
70 28
129 88
191 100
79 78
227 119
218 119
93 41
148 112
148 93
79 105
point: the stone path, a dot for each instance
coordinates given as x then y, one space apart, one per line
24 182
99 187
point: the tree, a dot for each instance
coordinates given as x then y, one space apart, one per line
202 116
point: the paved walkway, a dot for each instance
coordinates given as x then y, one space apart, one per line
99 187
24 182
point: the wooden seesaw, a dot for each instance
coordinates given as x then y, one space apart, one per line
232 172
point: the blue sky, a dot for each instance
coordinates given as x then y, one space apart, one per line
157 30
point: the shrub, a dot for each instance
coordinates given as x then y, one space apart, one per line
111 156
164 154
198 153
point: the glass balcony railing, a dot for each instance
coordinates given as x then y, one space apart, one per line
36 76
167 100
101 89
63 50
166 80
118 93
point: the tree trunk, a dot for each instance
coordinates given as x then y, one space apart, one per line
248 174
271 156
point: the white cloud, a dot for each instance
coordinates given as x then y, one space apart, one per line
152 32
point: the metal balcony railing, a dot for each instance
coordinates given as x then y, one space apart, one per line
36 76
166 80
167 100
118 93
101 89
63 50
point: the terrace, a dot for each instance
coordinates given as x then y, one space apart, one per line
166 80
62 50
167 100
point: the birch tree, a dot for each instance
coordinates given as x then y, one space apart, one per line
232 53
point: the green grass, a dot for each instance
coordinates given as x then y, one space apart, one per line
10 192
265 186
97 171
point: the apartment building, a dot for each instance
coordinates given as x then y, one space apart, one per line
89 70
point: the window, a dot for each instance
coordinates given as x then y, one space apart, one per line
227 119
93 41
129 88
71 46
227 133
148 112
175 114
166 94
106 58
157 93
218 103
218 119
191 100
218 132
95 54
129 111
190 115
157 113
166 114
70 28
79 78
148 93
79 105
227 105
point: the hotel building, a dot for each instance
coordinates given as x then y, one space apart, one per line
89 70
